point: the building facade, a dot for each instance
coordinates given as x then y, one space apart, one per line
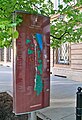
68 64
67 60
6 56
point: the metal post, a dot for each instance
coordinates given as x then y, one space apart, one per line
79 104
32 116
29 116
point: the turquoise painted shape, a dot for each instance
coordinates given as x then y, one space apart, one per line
39 53
39 67
39 61
32 45
39 40
38 85
28 41
30 51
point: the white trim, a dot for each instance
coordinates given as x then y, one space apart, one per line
5 62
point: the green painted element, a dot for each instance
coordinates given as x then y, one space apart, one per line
38 85
30 51
39 61
28 41
38 54
39 67
32 45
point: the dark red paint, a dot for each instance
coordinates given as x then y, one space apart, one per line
25 98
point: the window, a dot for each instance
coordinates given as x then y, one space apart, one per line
63 54
1 54
9 54
58 2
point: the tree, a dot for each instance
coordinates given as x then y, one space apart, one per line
7 7
67 27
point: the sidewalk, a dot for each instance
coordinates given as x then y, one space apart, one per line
63 99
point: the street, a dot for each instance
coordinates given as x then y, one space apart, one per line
62 97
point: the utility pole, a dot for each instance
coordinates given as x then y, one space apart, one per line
32 116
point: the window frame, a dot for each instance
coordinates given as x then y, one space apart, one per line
63 58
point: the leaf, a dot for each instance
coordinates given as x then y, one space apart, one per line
13 25
60 6
15 34
2 26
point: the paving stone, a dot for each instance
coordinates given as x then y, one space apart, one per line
63 99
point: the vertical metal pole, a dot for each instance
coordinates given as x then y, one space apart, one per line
79 104
29 116
32 116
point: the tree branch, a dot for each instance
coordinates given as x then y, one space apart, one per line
63 34
60 36
55 37
39 9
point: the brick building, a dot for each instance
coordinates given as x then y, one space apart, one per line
6 56
68 63
67 60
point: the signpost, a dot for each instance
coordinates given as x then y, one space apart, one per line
31 64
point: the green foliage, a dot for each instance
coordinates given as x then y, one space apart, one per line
66 1
68 26
15 34
7 7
